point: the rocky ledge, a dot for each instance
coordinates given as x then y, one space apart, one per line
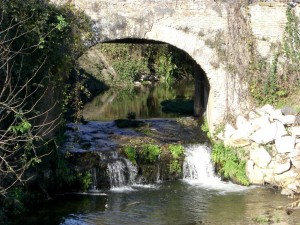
271 138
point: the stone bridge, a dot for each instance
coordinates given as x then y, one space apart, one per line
194 26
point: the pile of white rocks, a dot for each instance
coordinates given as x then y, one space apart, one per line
272 140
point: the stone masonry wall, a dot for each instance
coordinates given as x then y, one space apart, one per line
189 25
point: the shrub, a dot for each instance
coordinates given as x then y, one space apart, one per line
229 163
130 153
176 150
150 152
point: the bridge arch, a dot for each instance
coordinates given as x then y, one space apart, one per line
185 24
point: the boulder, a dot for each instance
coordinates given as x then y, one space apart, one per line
228 131
252 115
275 114
238 139
288 111
260 122
268 133
253 173
266 109
268 175
285 178
285 144
295 131
293 187
286 191
240 122
260 157
296 161
281 167
297 120
286 120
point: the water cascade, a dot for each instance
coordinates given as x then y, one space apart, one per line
121 173
198 170
198 167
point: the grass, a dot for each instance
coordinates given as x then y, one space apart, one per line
261 219
292 100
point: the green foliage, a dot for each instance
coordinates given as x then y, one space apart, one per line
176 150
175 166
164 68
130 61
205 128
150 152
270 85
85 180
131 154
229 163
292 38
22 127
261 219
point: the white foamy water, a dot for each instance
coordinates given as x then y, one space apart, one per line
121 173
198 170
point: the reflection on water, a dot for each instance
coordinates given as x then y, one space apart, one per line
173 203
144 101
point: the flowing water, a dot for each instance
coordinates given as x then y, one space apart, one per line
200 198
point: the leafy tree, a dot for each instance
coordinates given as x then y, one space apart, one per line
39 44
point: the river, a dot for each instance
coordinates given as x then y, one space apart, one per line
199 198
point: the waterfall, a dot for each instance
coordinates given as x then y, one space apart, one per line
198 167
121 172
198 170
94 179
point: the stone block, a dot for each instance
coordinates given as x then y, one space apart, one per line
228 131
268 133
260 157
254 174
295 131
238 139
281 167
285 144
296 161
288 111
260 122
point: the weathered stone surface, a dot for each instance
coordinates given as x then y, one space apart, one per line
275 114
285 144
252 115
229 130
240 122
254 174
296 161
267 109
260 122
293 187
285 120
260 157
268 175
268 133
281 167
238 139
295 131
285 178
288 111
286 191
297 120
